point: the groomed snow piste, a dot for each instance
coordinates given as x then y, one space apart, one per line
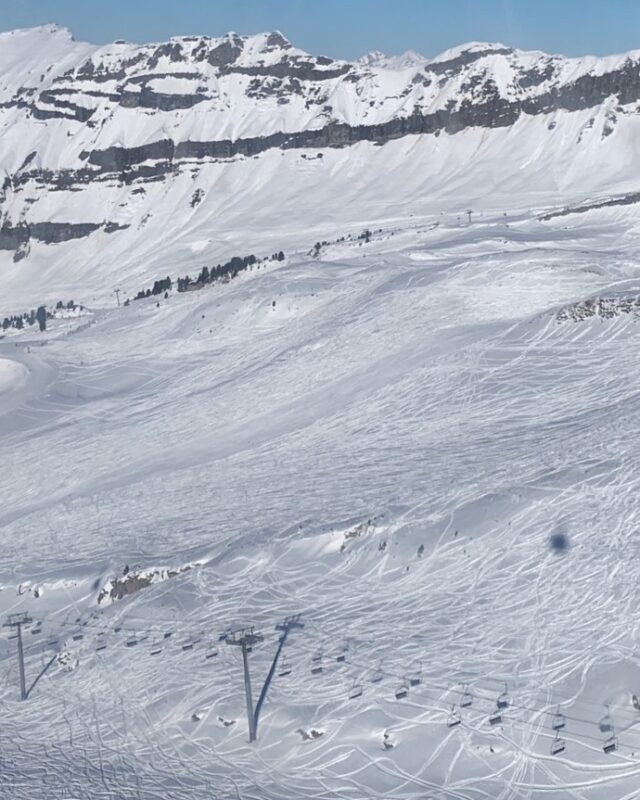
399 440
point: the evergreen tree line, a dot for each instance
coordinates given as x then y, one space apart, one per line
365 237
41 315
221 272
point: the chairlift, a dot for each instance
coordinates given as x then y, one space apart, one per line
156 649
285 669
355 691
401 691
610 744
118 628
416 678
454 718
341 657
77 636
131 642
495 718
503 699
635 702
316 668
212 653
187 646
557 746
37 629
377 676
559 720
466 700
606 723
101 646
168 634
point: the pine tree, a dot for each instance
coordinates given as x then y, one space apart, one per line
41 316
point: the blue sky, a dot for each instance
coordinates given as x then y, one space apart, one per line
349 28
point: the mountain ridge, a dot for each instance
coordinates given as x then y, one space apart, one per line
95 136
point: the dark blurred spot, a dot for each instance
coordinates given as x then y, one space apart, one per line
559 542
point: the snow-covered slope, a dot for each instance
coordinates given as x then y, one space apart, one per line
121 159
409 442
423 440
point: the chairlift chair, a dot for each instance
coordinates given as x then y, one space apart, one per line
377 676
401 691
355 691
606 723
454 718
131 642
557 746
466 700
77 636
610 744
559 720
156 649
635 702
316 669
495 718
285 669
168 634
503 699
212 653
187 646
100 646
341 657
416 678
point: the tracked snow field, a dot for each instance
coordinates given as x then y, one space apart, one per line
401 443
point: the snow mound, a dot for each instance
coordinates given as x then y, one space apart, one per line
12 375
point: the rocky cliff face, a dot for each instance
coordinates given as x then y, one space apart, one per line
79 119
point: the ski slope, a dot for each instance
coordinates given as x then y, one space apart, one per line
388 451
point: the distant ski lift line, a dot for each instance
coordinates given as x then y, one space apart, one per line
465 689
389 674
612 745
517 706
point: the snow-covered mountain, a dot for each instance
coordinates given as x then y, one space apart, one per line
418 429
97 141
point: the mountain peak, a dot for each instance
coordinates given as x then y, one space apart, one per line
473 48
49 30
408 59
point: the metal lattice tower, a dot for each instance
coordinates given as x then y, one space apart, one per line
246 638
17 621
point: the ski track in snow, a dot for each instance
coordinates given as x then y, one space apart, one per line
423 391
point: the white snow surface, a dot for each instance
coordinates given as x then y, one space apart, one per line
386 451
384 439
12 375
